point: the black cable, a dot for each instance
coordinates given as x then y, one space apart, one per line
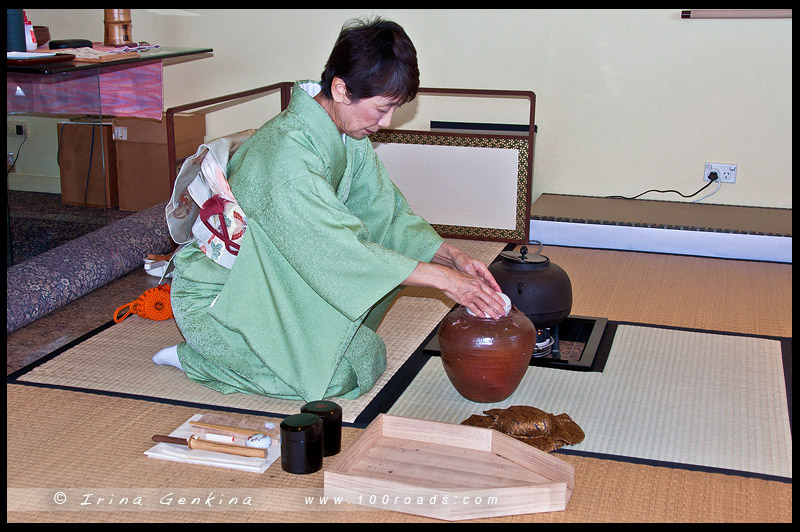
667 191
58 148
10 233
19 148
89 171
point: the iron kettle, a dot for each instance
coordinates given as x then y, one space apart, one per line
539 288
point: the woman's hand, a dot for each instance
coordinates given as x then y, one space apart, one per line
465 280
460 261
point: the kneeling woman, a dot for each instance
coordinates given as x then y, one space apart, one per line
329 242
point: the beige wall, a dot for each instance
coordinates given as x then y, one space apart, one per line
627 100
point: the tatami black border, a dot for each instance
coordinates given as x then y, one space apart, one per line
393 389
150 399
385 398
676 254
650 225
11 378
673 465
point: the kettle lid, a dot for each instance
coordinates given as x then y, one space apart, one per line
522 257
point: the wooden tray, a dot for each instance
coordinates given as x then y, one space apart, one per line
447 471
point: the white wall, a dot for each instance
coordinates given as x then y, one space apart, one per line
627 100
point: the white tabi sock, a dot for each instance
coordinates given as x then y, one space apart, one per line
168 357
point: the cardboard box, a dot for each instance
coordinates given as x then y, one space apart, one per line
87 164
142 160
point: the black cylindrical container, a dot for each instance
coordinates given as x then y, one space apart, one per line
331 415
301 444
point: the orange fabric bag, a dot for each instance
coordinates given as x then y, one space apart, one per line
153 304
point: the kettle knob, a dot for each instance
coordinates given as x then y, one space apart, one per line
523 251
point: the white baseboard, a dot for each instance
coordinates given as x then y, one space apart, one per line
659 240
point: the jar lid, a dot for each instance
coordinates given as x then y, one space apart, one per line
301 427
506 306
321 408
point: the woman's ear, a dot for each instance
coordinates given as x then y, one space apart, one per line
339 91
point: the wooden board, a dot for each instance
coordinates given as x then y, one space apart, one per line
87 164
446 471
94 55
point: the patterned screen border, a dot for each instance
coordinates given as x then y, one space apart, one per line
521 230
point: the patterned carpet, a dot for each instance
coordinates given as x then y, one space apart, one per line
39 222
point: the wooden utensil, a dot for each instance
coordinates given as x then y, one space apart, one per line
194 442
227 430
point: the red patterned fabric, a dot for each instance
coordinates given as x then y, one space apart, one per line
124 90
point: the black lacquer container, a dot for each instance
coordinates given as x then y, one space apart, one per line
331 415
301 444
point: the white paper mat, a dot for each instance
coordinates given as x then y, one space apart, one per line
695 398
182 453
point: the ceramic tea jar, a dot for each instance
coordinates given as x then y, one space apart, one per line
485 359
539 288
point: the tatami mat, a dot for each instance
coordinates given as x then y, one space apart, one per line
712 400
118 359
101 439
99 459
686 397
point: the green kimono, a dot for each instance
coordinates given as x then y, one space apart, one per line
329 239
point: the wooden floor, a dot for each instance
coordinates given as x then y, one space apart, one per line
694 292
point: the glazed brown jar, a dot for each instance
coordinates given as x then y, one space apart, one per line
485 359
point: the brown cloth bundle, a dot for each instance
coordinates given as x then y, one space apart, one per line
530 425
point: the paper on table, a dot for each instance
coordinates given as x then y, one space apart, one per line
182 453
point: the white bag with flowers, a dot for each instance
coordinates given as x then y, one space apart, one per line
202 207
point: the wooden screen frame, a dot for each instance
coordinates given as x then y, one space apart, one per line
524 143
523 194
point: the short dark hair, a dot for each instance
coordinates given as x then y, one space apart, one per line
373 58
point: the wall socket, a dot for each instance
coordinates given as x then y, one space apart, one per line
726 172
16 129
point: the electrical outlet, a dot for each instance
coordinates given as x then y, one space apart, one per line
16 129
726 172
